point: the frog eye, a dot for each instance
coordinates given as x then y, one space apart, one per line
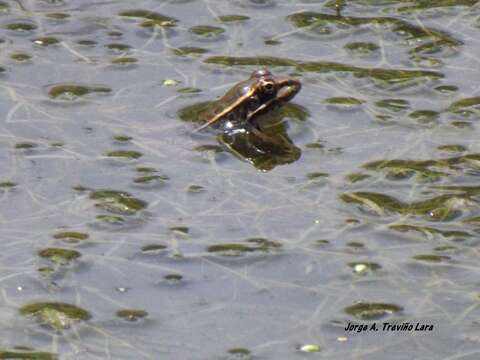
268 87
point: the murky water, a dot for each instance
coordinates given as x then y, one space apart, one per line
127 236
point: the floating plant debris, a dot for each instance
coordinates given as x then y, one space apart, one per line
127 154
59 256
248 246
72 237
372 311
150 18
27 354
131 314
57 315
118 202
189 51
232 18
207 31
71 92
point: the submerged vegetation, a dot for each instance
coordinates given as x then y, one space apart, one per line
358 201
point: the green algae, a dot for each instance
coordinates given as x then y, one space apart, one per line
446 89
72 92
115 34
240 353
126 154
20 57
25 146
208 148
394 105
131 314
347 101
71 237
7 184
27 354
150 18
356 177
429 4
124 61
461 124
452 148
179 229
424 116
111 219
380 75
59 256
122 138
46 41
438 208
316 175
151 179
432 258
146 169
4 7
257 61
21 27
362 47
57 16
153 248
88 43
372 311
189 90
465 103
117 202
206 31
59 316
429 231
248 246
196 189
189 51
118 47
233 18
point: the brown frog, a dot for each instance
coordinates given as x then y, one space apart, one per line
244 105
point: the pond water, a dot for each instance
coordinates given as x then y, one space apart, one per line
127 235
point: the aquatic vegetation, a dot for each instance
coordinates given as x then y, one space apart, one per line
207 31
46 41
372 311
59 256
127 154
232 18
321 22
72 92
386 76
150 18
439 208
71 237
432 258
57 315
247 246
131 314
117 202
20 56
189 51
27 354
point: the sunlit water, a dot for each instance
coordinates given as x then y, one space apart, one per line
126 236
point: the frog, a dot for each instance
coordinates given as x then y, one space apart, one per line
245 105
